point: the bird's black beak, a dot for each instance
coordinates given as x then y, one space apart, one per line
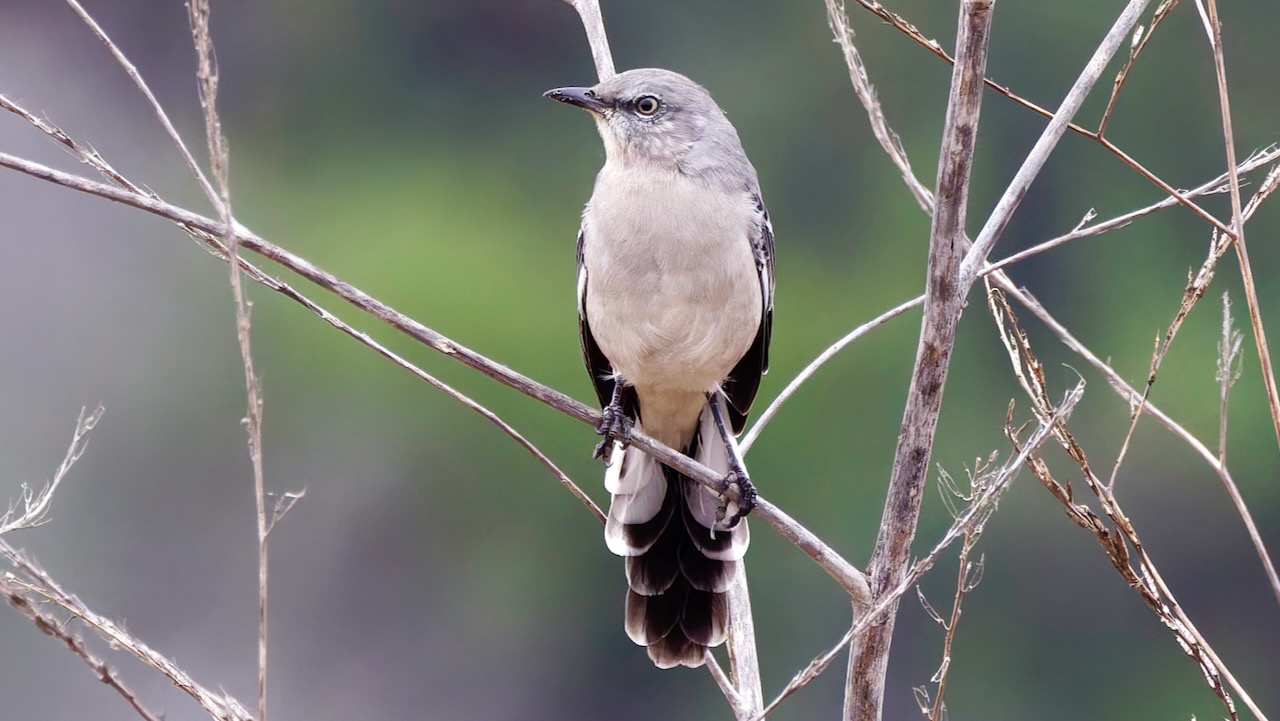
584 98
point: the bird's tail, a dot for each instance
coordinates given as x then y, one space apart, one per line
678 568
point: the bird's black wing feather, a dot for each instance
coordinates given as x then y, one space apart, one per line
743 382
598 365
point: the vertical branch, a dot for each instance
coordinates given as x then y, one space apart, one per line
1237 222
219 159
593 23
944 298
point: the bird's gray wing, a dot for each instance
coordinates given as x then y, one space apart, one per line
743 382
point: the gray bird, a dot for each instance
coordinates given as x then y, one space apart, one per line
675 306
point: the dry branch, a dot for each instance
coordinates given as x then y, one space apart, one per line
1121 536
944 300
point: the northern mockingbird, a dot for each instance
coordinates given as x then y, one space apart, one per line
675 305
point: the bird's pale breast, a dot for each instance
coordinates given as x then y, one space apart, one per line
673 293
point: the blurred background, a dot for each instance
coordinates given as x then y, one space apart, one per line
434 570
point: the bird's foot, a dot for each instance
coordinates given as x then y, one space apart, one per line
738 490
614 426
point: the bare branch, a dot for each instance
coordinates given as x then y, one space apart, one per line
593 23
220 706
1237 222
54 627
944 300
1039 154
816 363
163 117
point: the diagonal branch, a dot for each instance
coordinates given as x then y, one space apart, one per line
1039 154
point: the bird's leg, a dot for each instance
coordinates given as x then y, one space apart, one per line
614 423
736 480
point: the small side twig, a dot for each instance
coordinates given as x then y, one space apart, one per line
1140 40
36 504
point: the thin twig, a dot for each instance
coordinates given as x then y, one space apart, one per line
1140 40
35 505
944 300
1039 154
220 159
156 108
803 376
56 628
220 705
977 512
838 21
1237 223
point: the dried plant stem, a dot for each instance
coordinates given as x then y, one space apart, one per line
154 104
1237 223
1121 536
219 705
977 511
944 301
36 504
1135 49
838 21
56 628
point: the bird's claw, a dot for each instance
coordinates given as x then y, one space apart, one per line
736 488
614 426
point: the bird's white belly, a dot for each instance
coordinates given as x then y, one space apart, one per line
673 293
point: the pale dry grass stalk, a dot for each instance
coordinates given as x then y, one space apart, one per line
978 511
219 705
1237 221
1120 540
56 628
968 576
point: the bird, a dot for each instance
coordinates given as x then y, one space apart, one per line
675 259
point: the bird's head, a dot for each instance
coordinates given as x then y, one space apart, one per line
651 117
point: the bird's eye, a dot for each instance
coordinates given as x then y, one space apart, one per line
647 105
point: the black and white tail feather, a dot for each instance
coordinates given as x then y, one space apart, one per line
679 563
